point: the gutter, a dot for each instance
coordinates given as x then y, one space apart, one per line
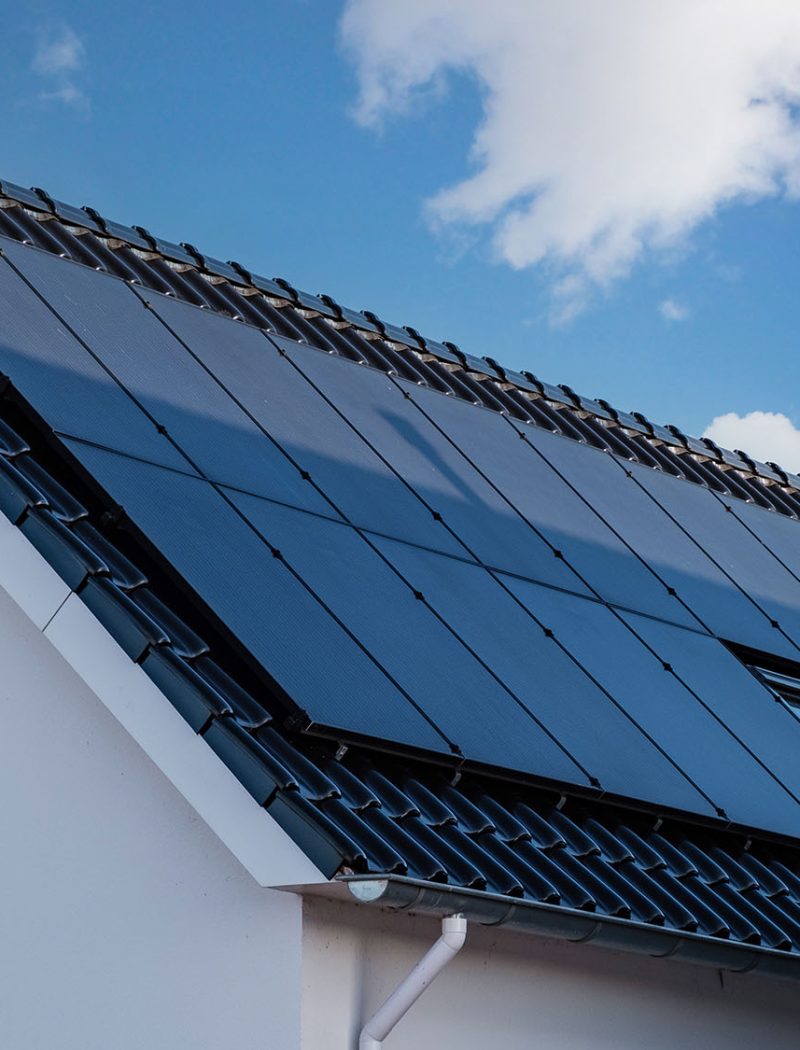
402 894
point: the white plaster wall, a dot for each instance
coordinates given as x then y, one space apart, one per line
519 992
124 921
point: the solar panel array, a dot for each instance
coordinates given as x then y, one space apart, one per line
415 569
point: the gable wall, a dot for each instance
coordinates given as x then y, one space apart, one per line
520 992
124 921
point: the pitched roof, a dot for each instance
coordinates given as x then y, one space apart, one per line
586 783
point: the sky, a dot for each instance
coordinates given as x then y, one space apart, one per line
605 194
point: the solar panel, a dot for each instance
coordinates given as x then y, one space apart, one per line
736 697
738 553
701 746
300 645
160 374
62 380
448 681
777 532
432 467
405 568
541 497
271 390
586 720
664 545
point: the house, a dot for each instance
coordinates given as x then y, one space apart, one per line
321 637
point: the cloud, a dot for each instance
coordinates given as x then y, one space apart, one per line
671 310
59 59
62 53
762 435
608 130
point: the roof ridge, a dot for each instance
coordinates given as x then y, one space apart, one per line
480 380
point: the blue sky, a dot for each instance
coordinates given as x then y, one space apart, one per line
239 133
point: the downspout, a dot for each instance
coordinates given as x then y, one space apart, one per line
454 931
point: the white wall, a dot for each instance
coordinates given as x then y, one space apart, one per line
520 992
125 924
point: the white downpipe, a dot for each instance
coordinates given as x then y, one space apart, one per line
454 932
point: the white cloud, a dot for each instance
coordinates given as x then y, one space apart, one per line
58 59
608 129
672 310
62 53
762 435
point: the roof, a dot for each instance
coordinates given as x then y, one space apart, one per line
585 784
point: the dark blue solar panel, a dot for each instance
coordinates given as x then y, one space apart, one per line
161 374
779 534
699 744
389 629
432 665
224 561
271 389
667 548
543 498
737 698
738 553
430 464
583 717
49 367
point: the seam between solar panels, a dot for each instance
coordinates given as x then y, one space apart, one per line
611 608
414 591
273 550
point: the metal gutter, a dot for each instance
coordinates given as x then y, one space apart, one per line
399 893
